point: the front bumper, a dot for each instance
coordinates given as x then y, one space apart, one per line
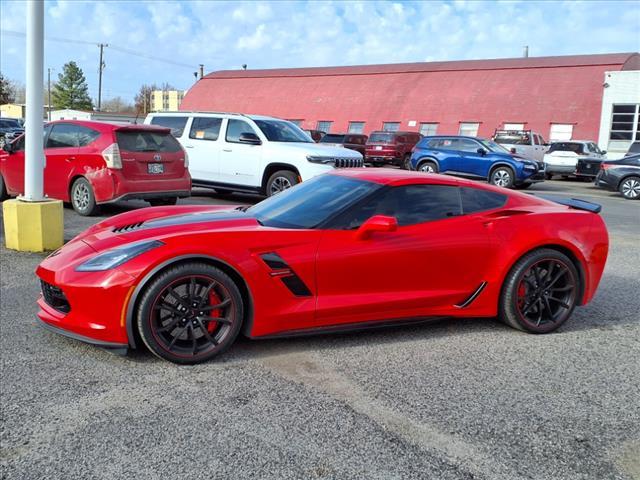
117 348
535 178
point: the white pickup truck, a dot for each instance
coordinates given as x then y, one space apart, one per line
525 143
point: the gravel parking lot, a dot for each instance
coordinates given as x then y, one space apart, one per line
457 399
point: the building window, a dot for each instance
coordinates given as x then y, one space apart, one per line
324 126
560 131
390 126
624 123
297 123
356 127
514 126
469 129
428 129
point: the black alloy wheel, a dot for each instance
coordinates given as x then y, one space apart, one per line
190 313
540 292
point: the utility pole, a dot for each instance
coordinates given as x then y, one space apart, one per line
49 94
100 69
525 51
201 70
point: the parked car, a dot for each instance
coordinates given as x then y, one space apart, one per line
351 141
350 249
91 163
476 158
231 152
634 149
10 128
391 148
562 158
526 143
316 135
621 175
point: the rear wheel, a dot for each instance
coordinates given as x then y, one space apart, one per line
158 202
280 181
502 177
428 167
540 292
3 190
630 188
83 200
406 162
190 313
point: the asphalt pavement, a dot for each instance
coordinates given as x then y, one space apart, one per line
457 399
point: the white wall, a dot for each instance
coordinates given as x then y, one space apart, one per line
68 114
623 88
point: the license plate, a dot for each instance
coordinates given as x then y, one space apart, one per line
378 147
155 168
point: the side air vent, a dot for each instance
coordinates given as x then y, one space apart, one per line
127 228
289 278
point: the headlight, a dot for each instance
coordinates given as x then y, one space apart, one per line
528 166
112 258
323 160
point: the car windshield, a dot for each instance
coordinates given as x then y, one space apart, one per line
311 203
332 138
513 138
493 146
282 131
10 124
381 137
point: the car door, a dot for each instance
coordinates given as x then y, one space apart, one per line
203 145
13 164
472 162
445 150
61 153
240 163
435 259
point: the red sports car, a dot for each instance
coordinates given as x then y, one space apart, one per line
346 250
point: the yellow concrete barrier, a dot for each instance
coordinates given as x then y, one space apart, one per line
33 226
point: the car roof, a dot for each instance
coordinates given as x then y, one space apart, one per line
183 113
455 136
397 132
111 125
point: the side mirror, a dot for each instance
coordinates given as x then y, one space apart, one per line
513 150
249 138
377 223
482 151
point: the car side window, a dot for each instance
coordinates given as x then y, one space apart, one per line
205 128
86 136
235 128
477 200
63 135
466 145
176 124
409 204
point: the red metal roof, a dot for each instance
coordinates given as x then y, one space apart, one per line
613 59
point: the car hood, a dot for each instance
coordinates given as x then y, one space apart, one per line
320 150
159 222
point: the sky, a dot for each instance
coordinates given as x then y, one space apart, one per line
170 39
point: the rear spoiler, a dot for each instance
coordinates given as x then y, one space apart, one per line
576 203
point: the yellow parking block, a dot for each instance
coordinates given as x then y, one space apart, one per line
33 226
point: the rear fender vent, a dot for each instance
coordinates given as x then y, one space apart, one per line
127 228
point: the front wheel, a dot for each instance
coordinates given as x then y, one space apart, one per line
540 292
502 177
83 199
630 188
190 313
281 181
428 167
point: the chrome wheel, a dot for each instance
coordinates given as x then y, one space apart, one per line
81 196
502 178
630 188
279 184
427 168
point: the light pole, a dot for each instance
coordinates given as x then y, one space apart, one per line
100 69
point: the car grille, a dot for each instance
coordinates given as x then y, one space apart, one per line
348 163
127 228
55 297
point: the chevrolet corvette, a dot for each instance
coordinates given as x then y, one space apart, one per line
350 249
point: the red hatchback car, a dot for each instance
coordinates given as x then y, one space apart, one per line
93 163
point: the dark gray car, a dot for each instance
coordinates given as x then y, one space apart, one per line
621 175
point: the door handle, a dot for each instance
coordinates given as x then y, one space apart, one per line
70 159
188 146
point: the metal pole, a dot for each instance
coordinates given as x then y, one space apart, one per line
101 45
525 51
34 152
201 70
49 94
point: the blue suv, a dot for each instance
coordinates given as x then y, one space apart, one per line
476 158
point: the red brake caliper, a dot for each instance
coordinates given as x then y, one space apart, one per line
213 300
522 291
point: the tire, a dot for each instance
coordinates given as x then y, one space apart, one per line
159 202
630 188
3 190
406 162
502 177
83 200
428 167
523 186
280 181
184 326
540 292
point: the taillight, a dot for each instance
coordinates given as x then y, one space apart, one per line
186 159
111 156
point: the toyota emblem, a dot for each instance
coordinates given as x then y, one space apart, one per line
157 157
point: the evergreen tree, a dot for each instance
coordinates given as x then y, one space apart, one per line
7 91
71 90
